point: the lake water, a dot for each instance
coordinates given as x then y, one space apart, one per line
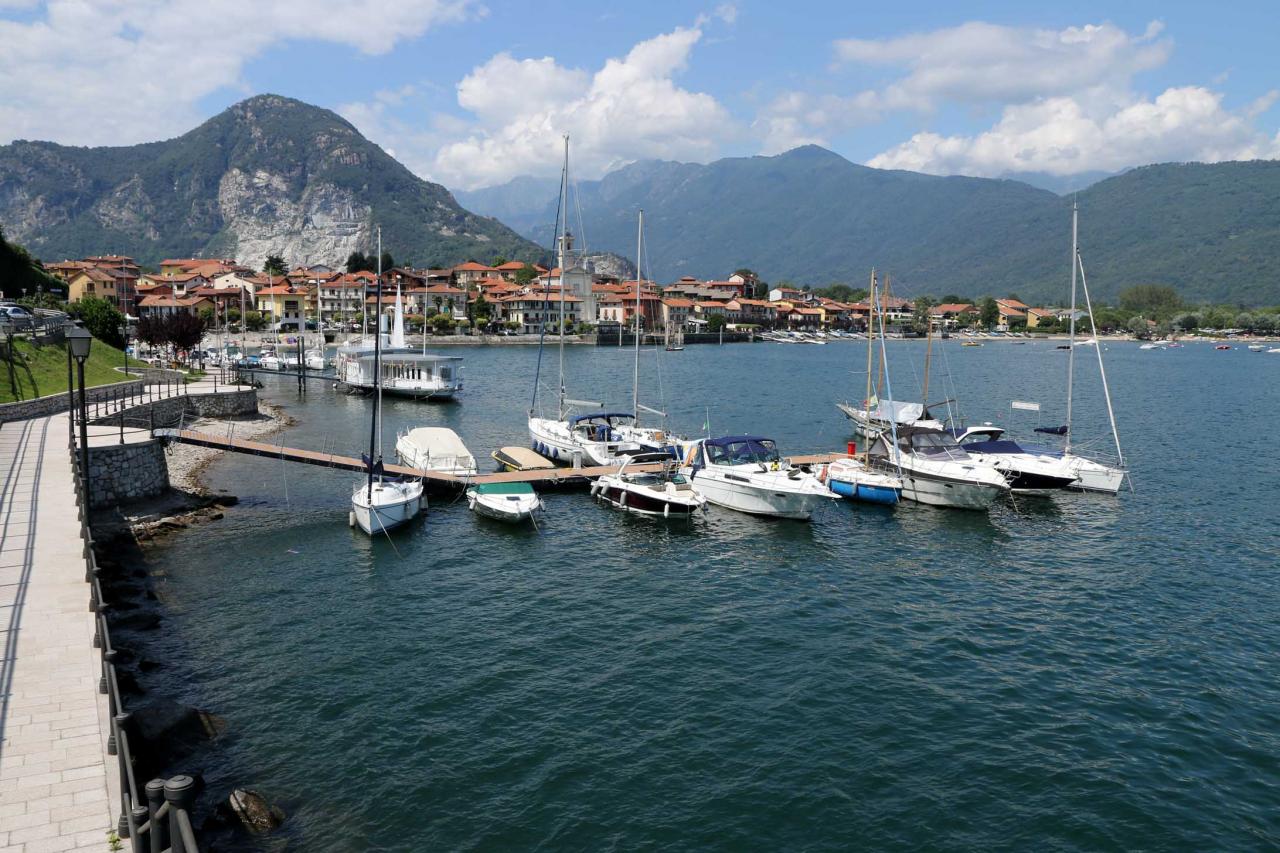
1080 672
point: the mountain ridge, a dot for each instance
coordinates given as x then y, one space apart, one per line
267 175
1209 230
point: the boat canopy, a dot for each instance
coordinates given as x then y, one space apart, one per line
995 446
726 440
898 412
604 416
1058 430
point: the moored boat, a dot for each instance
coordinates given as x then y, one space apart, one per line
510 502
666 493
850 478
520 459
746 473
436 449
936 470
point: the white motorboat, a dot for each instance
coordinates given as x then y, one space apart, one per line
437 449
270 361
745 473
382 503
1257 347
386 504
667 493
314 359
1028 470
510 502
853 479
936 470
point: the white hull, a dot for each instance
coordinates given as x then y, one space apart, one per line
760 497
393 505
927 489
504 507
315 363
1094 476
556 441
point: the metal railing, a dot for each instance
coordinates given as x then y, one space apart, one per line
158 821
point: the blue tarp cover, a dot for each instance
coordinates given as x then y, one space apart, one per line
604 415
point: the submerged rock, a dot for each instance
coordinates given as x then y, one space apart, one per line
254 812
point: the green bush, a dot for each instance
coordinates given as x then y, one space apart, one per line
101 318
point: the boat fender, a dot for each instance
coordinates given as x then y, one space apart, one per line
351 518
666 510
822 474
622 501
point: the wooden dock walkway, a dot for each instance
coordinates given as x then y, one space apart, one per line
546 477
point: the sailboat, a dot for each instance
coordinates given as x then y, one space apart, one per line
382 503
933 468
1091 475
852 478
596 437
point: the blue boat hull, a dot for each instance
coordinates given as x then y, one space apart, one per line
864 493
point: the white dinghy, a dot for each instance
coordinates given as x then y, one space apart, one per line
510 502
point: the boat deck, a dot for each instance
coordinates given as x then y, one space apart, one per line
545 477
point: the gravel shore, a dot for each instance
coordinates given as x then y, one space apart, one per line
187 464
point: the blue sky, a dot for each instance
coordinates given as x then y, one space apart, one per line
472 94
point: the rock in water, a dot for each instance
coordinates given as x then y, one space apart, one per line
253 810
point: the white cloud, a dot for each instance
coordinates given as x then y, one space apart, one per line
799 118
629 109
94 72
1061 136
982 62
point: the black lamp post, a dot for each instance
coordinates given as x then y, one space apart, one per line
71 385
78 341
128 336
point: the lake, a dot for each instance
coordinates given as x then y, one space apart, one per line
1079 672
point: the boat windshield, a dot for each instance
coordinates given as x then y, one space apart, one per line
742 452
937 445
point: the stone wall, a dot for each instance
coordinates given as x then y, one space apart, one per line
127 472
38 407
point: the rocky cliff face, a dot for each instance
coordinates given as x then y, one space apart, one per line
267 176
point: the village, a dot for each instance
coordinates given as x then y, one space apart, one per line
505 298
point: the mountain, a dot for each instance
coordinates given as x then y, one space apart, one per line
810 216
269 175
520 202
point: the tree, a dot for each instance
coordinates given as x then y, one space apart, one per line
842 293
989 312
207 316
966 319
1263 322
1138 325
357 262
254 321
715 322
1244 320
275 265
526 274
498 261
954 299
387 261
1151 300
184 330
101 318
480 308
1187 322
151 331
442 324
920 318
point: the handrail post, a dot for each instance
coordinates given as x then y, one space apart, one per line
180 793
157 830
138 818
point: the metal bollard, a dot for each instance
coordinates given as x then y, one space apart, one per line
139 817
113 739
157 830
180 793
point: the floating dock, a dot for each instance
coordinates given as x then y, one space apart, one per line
547 477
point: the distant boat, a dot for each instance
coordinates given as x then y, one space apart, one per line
1223 346
315 359
1257 347
971 343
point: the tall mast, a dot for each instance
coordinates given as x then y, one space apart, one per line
928 357
564 258
1071 352
635 379
871 334
375 439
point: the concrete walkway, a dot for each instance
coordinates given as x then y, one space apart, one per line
53 722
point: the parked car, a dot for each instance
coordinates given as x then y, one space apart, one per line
19 317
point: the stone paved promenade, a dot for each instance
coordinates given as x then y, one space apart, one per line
54 768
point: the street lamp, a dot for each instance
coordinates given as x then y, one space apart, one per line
78 342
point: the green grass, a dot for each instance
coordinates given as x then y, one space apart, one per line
40 371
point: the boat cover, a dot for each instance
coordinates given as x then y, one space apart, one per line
603 415
1001 447
1058 430
439 442
503 489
